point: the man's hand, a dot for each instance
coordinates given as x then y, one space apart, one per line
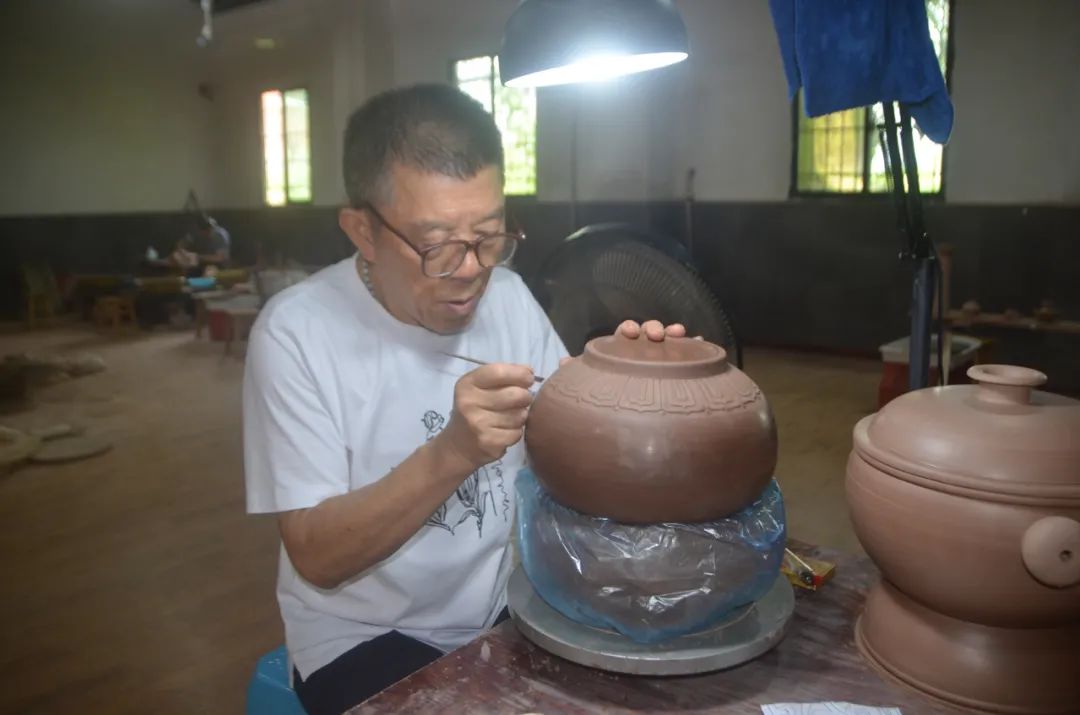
653 329
347 534
490 408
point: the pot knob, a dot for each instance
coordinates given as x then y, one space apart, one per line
1051 551
1008 384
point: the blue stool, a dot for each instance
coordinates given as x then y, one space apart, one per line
268 692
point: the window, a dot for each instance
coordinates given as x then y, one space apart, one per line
515 115
286 143
841 153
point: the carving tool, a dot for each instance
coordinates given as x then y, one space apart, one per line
474 361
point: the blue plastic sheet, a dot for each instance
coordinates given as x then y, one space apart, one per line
648 582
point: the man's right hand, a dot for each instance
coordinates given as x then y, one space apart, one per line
490 408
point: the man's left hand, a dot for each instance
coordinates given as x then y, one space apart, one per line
653 329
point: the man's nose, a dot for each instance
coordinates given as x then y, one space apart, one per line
470 266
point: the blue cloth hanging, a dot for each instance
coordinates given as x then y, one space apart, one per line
854 53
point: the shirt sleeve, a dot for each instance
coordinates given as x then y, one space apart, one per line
294 453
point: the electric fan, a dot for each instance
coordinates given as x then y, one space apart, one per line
606 273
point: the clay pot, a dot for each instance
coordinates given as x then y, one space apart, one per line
968 499
644 432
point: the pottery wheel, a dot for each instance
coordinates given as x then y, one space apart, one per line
748 633
70 448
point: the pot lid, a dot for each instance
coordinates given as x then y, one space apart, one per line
999 436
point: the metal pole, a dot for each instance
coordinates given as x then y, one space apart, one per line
922 298
575 95
917 247
895 166
922 289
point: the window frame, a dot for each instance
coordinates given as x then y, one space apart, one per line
285 142
869 136
451 78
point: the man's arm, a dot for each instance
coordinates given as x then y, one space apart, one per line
345 534
220 252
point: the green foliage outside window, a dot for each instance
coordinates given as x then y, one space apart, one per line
515 115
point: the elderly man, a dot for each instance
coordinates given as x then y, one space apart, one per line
390 464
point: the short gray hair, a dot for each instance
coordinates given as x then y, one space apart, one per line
432 127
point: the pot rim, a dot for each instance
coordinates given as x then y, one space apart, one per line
712 360
962 484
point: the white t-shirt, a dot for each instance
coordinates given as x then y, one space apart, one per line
337 392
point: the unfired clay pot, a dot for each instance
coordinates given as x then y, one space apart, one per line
644 432
967 498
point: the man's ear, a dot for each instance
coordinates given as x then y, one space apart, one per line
357 225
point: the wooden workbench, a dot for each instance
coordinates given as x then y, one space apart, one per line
502 672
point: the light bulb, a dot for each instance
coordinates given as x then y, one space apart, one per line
597 68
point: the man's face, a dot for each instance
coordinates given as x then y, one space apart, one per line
427 209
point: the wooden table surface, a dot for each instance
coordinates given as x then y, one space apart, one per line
502 672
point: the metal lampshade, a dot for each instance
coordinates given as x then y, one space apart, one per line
549 42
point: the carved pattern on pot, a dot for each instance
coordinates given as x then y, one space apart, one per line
643 394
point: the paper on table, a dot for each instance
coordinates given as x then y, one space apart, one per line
825 709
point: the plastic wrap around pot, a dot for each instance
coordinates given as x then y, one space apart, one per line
648 582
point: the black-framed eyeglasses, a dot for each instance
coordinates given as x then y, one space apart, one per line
443 259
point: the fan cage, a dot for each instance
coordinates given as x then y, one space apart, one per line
593 285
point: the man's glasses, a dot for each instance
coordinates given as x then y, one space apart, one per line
443 259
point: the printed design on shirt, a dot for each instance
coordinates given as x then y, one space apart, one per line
475 498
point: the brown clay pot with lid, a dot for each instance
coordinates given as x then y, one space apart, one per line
644 432
967 498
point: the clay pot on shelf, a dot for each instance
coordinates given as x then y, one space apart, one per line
645 432
1047 312
968 500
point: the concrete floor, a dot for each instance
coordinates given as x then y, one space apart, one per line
134 580
816 400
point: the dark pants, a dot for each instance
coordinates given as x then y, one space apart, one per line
365 670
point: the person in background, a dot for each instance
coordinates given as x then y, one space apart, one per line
183 258
212 243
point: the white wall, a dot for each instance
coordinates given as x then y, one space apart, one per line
426 37
305 55
101 110
1017 97
102 113
339 50
724 112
